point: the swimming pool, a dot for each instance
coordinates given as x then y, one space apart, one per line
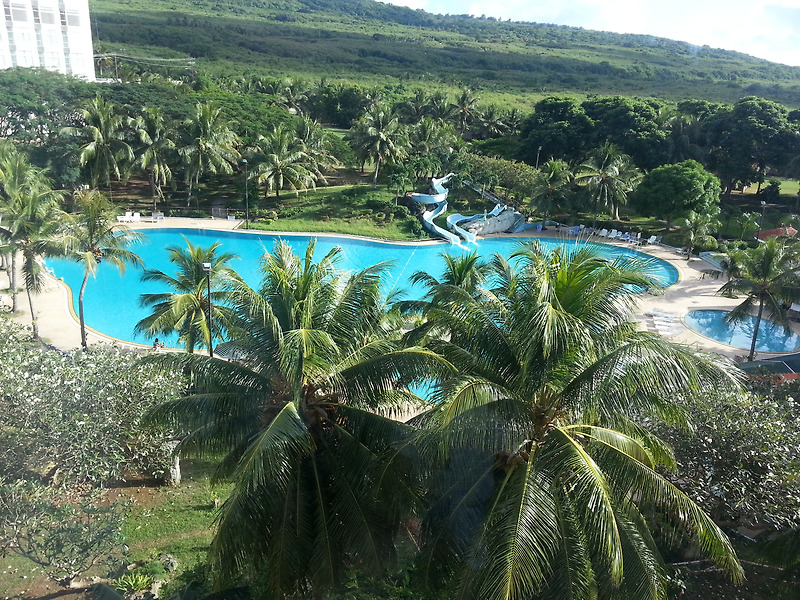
111 301
771 336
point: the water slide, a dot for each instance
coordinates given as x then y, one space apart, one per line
439 198
453 222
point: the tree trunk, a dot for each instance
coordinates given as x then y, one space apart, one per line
34 325
755 330
12 280
189 197
375 176
84 344
173 474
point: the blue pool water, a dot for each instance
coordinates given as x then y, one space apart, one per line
771 336
111 302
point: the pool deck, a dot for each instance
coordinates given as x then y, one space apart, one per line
58 325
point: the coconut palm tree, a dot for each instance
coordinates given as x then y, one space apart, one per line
209 145
156 148
295 421
105 152
281 160
94 237
466 110
378 136
540 482
32 224
768 276
697 229
317 143
551 186
609 175
185 309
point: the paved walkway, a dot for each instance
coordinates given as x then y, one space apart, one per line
58 323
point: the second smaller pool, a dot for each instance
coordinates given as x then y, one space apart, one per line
771 336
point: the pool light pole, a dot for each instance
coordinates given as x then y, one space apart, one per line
537 156
761 220
246 197
207 270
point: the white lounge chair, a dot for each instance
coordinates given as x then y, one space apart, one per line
136 218
126 218
603 233
613 234
651 240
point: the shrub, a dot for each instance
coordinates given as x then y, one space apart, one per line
78 418
415 228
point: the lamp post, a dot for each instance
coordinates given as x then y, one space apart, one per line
246 197
761 220
537 156
207 270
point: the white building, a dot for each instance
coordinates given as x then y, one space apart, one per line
54 34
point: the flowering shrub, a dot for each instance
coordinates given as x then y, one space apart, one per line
77 418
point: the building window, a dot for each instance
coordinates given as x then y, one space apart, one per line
73 18
19 13
47 16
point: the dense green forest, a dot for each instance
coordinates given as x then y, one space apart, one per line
375 43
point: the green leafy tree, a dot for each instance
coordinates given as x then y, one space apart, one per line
379 136
209 145
669 192
697 229
94 237
466 110
541 484
297 421
185 309
281 161
768 276
155 150
31 225
609 176
105 151
64 538
551 186
748 221
560 127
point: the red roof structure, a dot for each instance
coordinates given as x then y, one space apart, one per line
787 230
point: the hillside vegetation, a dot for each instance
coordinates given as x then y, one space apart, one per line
376 43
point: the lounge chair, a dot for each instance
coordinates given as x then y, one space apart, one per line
650 240
613 234
136 218
603 233
126 218
625 237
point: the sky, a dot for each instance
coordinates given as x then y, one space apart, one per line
767 29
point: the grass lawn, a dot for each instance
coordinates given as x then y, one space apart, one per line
358 210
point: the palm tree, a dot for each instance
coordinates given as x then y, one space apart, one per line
282 161
32 223
610 176
768 276
466 110
209 145
493 124
540 482
295 418
414 109
185 309
697 229
551 186
317 143
431 137
748 220
156 148
380 137
105 152
95 236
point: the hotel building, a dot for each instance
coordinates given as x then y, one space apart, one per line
53 34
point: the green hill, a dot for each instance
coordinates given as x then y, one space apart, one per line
381 44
